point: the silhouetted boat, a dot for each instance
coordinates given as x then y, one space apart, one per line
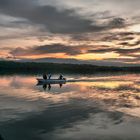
51 81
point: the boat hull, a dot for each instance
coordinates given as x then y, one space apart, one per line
51 81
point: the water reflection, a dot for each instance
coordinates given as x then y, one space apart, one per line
48 86
96 108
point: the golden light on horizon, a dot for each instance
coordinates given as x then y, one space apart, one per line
97 56
86 56
54 55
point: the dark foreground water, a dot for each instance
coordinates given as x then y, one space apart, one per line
97 107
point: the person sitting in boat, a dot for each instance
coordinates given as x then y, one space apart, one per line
49 76
61 77
44 76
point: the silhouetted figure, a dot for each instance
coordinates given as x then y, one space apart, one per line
44 76
61 77
60 85
49 86
49 76
44 87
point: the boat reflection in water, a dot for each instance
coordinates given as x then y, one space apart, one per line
47 84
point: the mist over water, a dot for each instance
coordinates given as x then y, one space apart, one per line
101 107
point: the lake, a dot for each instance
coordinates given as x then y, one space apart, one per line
91 107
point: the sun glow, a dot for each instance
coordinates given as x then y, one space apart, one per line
98 56
52 55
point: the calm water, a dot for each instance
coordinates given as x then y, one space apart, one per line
95 107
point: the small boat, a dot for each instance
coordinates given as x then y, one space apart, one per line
51 81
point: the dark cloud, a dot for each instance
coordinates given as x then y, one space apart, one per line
128 38
130 44
126 33
120 36
127 51
117 22
105 36
54 20
47 49
62 21
124 43
123 52
104 50
58 48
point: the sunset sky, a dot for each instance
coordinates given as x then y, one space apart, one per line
91 31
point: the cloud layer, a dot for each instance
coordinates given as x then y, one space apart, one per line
55 20
91 28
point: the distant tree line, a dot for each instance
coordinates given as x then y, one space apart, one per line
34 67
